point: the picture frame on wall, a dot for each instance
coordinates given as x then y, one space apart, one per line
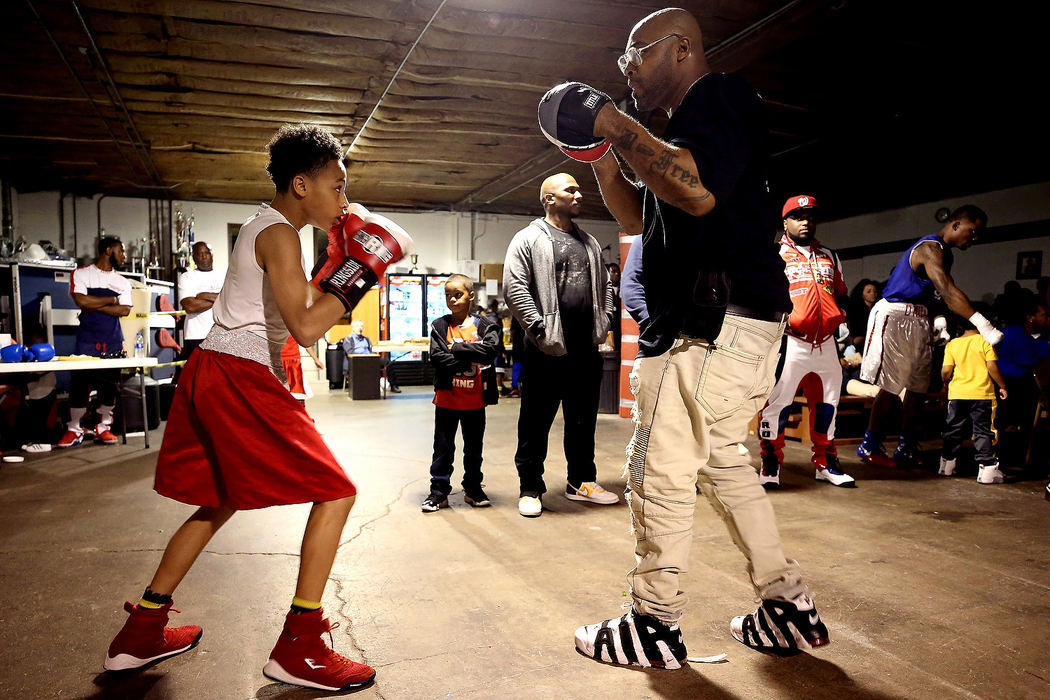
1029 265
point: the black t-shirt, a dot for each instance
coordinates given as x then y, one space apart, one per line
572 275
693 266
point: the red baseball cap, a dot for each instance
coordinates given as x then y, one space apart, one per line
799 201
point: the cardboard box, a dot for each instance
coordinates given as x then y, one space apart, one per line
491 271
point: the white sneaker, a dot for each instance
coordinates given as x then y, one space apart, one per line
947 467
990 475
835 477
592 492
530 506
36 447
633 640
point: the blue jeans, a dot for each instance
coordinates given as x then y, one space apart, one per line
979 414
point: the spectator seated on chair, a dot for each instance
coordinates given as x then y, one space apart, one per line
357 343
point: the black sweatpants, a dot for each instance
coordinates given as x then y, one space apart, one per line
573 381
446 421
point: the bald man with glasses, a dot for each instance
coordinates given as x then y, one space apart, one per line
717 299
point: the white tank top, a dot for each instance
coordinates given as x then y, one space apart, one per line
246 302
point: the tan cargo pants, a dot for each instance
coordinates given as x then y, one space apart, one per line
692 408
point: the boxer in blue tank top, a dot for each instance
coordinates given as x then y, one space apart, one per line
898 352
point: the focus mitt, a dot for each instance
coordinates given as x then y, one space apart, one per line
566 115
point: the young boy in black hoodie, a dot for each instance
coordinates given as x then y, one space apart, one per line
462 350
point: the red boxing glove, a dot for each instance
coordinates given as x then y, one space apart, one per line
360 248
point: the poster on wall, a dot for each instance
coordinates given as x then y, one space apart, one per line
1029 265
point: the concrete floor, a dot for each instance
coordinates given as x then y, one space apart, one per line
931 587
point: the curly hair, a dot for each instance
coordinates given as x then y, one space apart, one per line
300 149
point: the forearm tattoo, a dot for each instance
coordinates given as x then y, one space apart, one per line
663 164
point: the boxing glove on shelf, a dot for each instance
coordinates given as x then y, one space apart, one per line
13 353
566 115
42 352
360 248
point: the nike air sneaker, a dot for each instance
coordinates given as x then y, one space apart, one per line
591 492
433 503
530 506
633 639
907 454
476 498
990 474
144 639
870 452
104 435
769 476
781 627
301 657
947 467
827 467
70 438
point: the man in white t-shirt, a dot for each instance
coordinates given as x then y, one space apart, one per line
104 296
198 290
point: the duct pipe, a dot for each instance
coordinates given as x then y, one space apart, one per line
8 231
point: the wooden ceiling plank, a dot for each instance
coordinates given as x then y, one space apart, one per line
203 98
252 15
138 33
319 76
164 83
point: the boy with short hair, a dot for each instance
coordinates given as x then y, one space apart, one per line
462 350
236 439
970 366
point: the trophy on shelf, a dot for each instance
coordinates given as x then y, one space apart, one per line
183 259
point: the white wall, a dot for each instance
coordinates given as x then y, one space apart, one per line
980 271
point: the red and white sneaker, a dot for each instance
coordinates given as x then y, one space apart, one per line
144 639
301 657
104 435
71 439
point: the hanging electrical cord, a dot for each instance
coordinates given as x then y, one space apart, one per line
393 78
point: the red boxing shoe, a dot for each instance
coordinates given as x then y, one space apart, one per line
144 639
70 438
301 657
104 435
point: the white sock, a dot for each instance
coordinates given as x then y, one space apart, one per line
106 414
75 414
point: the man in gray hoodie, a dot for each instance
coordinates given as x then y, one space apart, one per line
557 287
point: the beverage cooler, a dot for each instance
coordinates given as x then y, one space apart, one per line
413 302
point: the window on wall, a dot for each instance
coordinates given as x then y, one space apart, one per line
231 234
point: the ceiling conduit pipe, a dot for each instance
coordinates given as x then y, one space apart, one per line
80 84
100 232
393 78
7 233
137 142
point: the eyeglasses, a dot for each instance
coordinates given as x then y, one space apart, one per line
634 54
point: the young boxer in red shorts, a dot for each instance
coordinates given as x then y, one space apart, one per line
236 438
